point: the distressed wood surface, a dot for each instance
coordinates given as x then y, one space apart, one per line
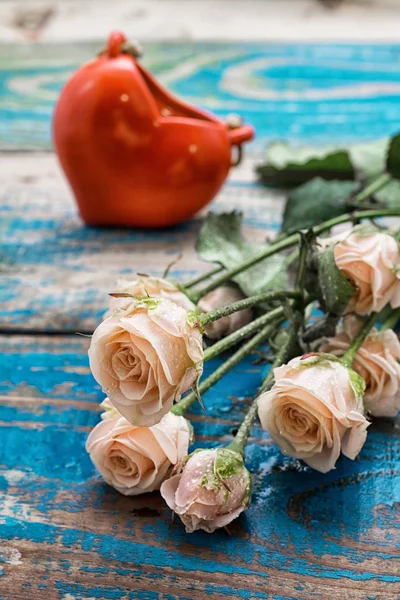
272 20
57 273
66 535
302 92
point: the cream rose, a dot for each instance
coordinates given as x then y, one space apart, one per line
372 263
223 296
314 410
135 460
212 490
147 286
377 361
145 357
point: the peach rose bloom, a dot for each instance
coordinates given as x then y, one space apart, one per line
135 460
147 286
223 296
212 490
372 263
314 410
145 357
377 361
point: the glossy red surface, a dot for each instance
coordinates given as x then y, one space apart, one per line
135 155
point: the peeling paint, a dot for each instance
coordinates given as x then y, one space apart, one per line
10 556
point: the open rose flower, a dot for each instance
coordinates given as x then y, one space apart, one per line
135 460
155 287
145 357
211 491
223 296
377 361
371 261
314 410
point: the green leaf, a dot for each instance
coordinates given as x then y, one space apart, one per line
290 166
336 290
369 158
317 201
294 166
389 196
220 240
393 157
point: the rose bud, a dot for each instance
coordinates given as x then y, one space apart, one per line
135 460
145 357
223 296
371 261
377 361
211 491
147 286
314 410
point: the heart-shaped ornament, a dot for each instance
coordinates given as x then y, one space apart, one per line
135 155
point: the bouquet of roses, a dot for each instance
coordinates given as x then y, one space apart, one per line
326 304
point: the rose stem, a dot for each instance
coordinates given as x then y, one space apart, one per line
391 320
299 284
283 354
350 354
205 319
237 336
372 188
238 443
290 259
182 406
288 242
202 277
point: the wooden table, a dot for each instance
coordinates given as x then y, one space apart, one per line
65 535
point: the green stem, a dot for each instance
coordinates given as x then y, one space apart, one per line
372 188
350 354
192 294
290 241
237 336
203 276
239 442
301 271
205 319
182 406
391 320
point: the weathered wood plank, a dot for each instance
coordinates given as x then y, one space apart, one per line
64 534
323 92
276 20
272 20
56 273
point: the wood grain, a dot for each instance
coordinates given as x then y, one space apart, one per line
64 534
324 93
63 531
57 273
269 20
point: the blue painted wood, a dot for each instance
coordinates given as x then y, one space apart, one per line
57 273
323 92
306 535
64 535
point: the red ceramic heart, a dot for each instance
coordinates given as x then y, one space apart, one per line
133 154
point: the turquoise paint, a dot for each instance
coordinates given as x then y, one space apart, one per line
297 516
323 92
138 554
40 254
